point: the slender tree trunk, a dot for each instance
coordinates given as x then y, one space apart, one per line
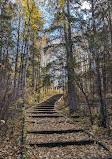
110 28
7 56
33 67
1 50
70 64
20 73
104 75
38 80
17 55
105 99
28 47
22 61
88 103
25 66
110 20
98 75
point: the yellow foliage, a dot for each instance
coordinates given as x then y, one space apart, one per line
95 142
10 91
6 98
9 107
110 151
20 100
62 4
3 121
32 15
23 108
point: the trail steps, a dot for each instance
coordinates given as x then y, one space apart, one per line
45 120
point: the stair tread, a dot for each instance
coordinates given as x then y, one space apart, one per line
58 144
56 131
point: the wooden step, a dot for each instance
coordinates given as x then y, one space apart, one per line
75 116
45 116
42 112
107 157
58 144
56 131
44 108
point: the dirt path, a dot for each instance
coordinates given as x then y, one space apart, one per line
50 135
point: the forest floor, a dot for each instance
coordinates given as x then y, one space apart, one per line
56 135
11 131
52 134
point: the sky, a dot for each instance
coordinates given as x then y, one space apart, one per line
85 4
48 17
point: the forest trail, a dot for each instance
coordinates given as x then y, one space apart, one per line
50 135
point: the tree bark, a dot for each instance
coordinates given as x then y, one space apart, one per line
33 67
110 28
70 63
98 75
17 55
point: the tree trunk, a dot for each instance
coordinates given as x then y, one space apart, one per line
110 28
25 66
33 67
70 64
87 100
98 75
105 99
104 77
16 62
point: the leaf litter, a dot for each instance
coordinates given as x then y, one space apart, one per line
67 152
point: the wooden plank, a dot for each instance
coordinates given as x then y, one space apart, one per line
58 144
56 131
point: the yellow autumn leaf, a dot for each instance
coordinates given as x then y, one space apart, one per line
27 146
3 121
110 151
74 154
23 108
6 98
10 91
9 107
95 142
83 154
